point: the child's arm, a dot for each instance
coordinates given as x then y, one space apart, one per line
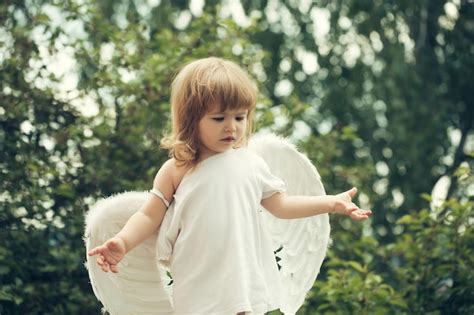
293 207
142 224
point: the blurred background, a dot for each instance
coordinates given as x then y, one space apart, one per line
376 93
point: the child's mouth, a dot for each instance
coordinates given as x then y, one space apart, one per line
228 139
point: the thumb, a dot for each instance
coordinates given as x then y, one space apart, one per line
352 192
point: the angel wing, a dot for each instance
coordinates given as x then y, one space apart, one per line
140 286
300 244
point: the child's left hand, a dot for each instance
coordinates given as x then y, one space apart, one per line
344 205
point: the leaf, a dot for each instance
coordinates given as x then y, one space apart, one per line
462 172
426 197
65 190
406 219
42 18
357 266
4 270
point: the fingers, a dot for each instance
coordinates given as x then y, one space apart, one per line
105 265
102 263
97 250
103 260
100 260
109 245
94 251
360 214
114 268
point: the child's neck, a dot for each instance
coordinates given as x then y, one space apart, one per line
205 155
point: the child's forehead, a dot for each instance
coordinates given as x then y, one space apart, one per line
219 110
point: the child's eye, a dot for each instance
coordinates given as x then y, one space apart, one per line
240 118
218 118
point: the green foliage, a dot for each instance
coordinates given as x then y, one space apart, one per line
427 270
391 71
56 158
352 289
382 121
434 256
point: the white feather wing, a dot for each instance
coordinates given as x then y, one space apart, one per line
140 285
300 244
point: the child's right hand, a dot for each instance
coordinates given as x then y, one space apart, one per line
109 254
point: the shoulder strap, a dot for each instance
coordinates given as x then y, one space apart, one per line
160 195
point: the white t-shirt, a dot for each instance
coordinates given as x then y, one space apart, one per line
220 254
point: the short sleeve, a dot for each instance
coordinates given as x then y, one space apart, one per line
270 183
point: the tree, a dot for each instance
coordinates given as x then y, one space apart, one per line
393 72
371 91
58 159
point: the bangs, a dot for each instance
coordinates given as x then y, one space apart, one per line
224 85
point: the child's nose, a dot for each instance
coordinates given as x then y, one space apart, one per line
230 126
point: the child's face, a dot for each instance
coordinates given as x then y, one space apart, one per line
221 131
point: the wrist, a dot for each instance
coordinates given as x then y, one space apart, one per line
331 203
336 205
121 240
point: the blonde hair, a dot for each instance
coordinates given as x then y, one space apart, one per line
196 90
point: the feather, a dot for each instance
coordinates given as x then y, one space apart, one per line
139 286
301 243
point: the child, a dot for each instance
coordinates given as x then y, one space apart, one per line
220 257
